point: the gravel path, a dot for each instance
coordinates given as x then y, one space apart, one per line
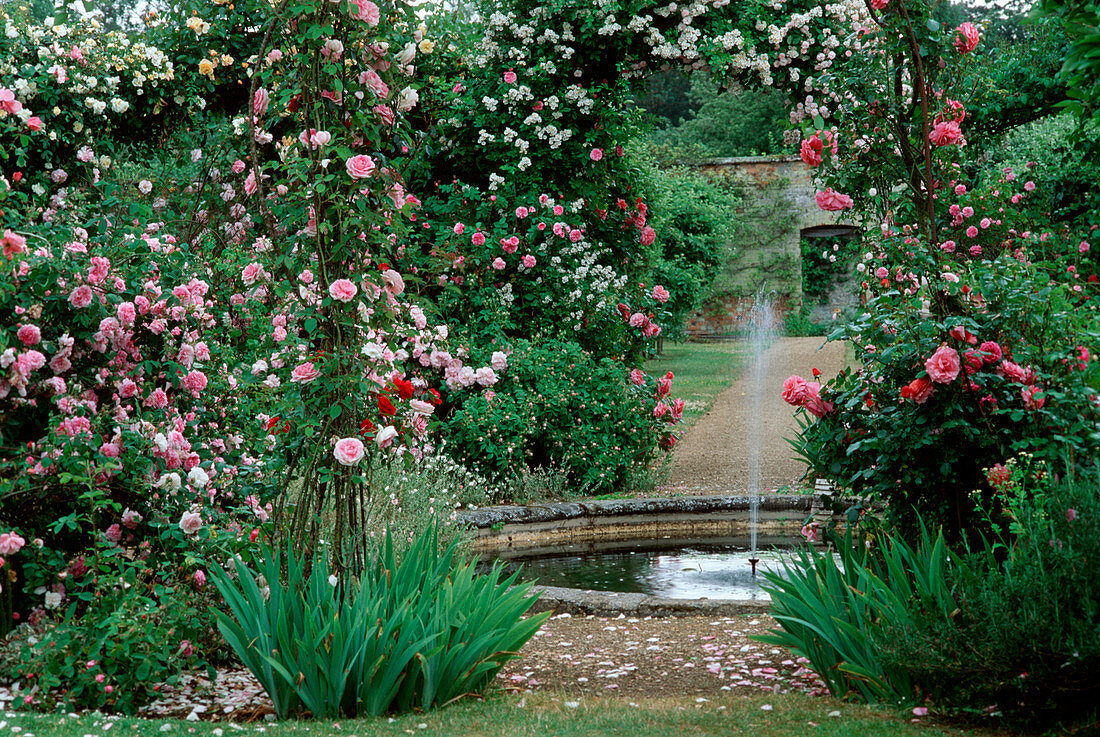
713 457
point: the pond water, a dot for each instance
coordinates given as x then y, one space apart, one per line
683 572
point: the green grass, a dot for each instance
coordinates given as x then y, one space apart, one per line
701 371
542 715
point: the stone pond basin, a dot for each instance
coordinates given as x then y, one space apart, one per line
648 523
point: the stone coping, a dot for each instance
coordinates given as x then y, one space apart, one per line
487 518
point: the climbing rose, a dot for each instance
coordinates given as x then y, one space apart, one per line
1031 401
991 352
366 11
637 377
81 296
304 373
596 154
190 522
660 294
947 133
360 167
943 366
343 290
832 200
10 543
349 451
919 390
29 335
966 38
811 150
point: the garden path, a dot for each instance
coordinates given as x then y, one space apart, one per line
713 456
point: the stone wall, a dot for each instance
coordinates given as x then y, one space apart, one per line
777 205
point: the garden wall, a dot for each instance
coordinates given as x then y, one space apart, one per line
778 205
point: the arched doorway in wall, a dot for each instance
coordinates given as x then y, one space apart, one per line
830 253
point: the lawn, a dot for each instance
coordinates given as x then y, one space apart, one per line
542 715
701 372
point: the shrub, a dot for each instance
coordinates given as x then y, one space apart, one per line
1025 640
414 634
561 408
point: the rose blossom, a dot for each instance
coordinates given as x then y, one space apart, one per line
1013 372
190 523
360 167
10 543
365 11
1033 397
343 290
947 133
499 361
596 154
660 294
195 382
385 436
349 451
30 335
421 407
832 201
304 373
919 390
943 366
81 297
794 391
637 377
394 283
811 149
529 261
991 352
966 38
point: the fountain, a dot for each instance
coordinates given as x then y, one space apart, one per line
762 334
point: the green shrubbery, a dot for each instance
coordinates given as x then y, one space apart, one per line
562 409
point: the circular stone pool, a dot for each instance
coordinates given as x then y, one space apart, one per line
654 529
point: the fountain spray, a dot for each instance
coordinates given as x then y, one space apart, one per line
762 332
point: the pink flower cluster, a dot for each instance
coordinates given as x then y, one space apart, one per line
806 395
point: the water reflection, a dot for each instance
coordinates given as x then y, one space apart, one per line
685 573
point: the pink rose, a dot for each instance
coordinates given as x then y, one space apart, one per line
251 274
943 366
195 382
375 84
421 407
498 263
814 404
360 167
1013 372
833 201
499 361
8 102
130 519
81 297
394 283
966 38
596 154
114 533
478 238
529 261
647 236
158 399
946 133
510 77
660 294
10 543
637 320
795 391
637 377
1033 397
260 102
960 333
811 149
991 352
304 373
190 523
13 243
919 390
199 578
34 123
29 334
343 290
365 11
349 451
